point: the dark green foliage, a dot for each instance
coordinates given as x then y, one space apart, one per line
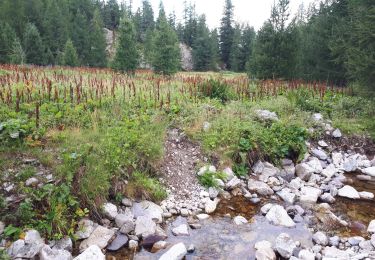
166 55
226 33
126 57
111 14
7 37
81 36
97 56
33 45
216 89
210 179
17 54
235 57
70 55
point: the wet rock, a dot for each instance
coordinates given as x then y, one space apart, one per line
118 242
210 205
191 248
320 238
366 195
133 244
259 187
65 244
181 230
278 216
233 183
304 171
176 252
100 237
149 209
369 171
309 194
85 228
264 209
149 241
266 115
46 253
126 202
320 154
239 220
144 226
91 253
305 254
287 195
371 227
327 197
264 251
348 192
327 218
109 210
127 227
337 133
284 245
158 246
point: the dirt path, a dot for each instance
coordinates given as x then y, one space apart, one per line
179 167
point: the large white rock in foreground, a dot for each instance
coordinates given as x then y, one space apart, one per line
278 216
176 252
349 192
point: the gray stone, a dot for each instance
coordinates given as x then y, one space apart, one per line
350 165
373 240
118 242
206 126
91 253
259 187
258 167
287 195
265 115
85 228
233 183
371 227
322 143
284 245
184 212
329 171
100 237
46 253
354 241
65 244
158 246
15 247
144 226
265 208
127 227
304 171
335 253
191 248
317 117
369 171
109 210
309 194
176 252
278 216
121 219
202 216
366 245
148 208
126 202
320 154
213 193
2 227
337 133
239 220
264 251
305 254
320 238
28 250
210 205
31 181
33 237
366 195
327 197
181 230
348 192
334 241
229 174
133 244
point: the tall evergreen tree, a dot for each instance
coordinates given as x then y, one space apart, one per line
126 57
247 45
33 45
70 57
17 54
111 14
226 32
7 37
235 57
97 55
81 37
203 53
166 56
148 22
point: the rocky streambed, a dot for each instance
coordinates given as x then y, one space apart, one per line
320 208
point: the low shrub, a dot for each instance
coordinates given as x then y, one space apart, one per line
143 186
216 89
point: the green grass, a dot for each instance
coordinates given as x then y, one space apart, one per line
143 186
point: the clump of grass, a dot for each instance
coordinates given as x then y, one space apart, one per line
143 186
211 179
25 174
216 89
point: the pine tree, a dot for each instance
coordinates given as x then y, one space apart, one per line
111 14
147 19
81 37
166 58
97 56
70 57
247 44
203 52
17 55
235 57
226 32
126 57
7 37
33 45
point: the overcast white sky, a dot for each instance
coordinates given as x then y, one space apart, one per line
254 12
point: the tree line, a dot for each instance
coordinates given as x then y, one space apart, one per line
333 41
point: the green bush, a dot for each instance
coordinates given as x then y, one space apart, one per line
216 89
148 188
13 131
210 179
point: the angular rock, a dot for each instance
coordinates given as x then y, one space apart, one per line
85 228
118 242
109 210
329 171
350 165
317 117
15 247
348 192
366 195
121 219
91 253
287 195
264 251
327 197
229 174
181 230
99 237
335 253
2 227
278 216
309 194
322 143
148 208
354 241
284 245
304 171
126 202
305 254
144 226
371 227
296 184
320 238
46 253
258 167
33 237
239 220
202 216
320 154
265 115
259 187
337 159
176 252
337 133
158 246
233 183
210 205
65 243
264 209
31 181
